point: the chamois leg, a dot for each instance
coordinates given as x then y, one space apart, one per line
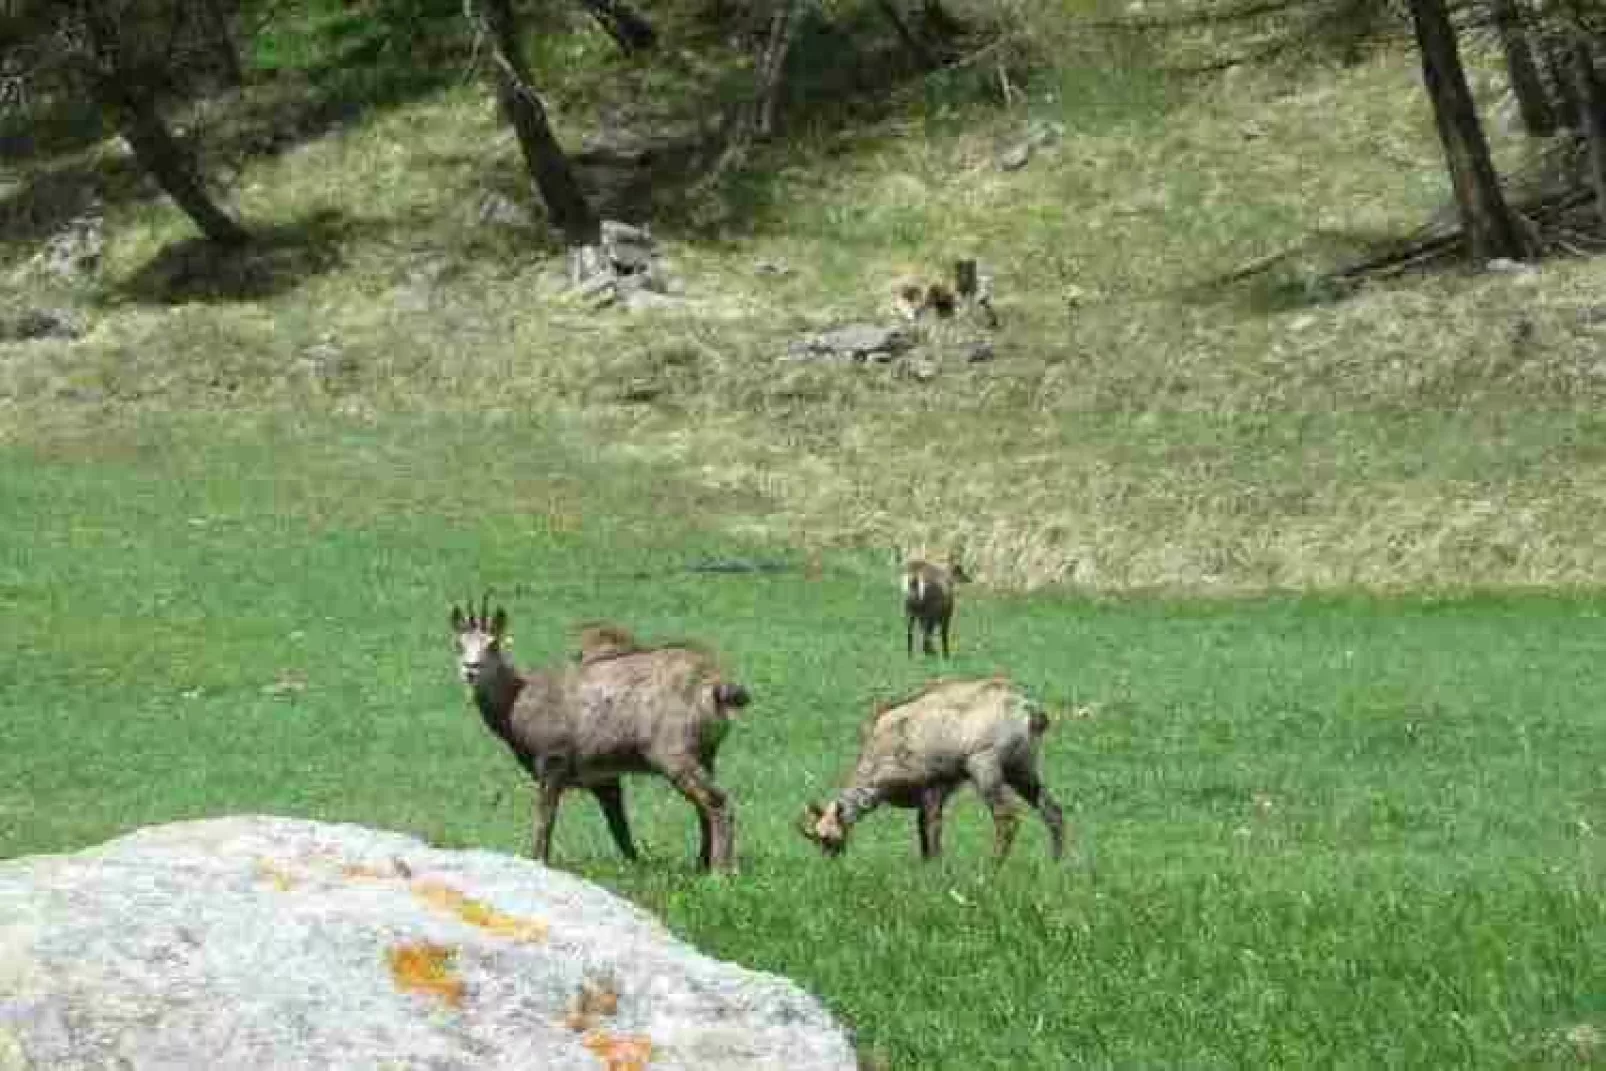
714 814
927 642
909 632
929 820
944 626
549 794
611 796
988 776
1024 780
705 829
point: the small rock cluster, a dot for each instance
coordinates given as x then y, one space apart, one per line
34 324
625 269
1039 135
930 333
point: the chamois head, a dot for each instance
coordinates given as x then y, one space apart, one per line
480 639
823 826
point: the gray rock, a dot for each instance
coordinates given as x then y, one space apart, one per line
615 233
585 263
1015 157
979 351
259 942
856 342
498 210
33 324
74 253
1507 266
641 298
629 250
1043 132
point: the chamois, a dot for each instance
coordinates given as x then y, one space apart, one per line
928 598
916 752
661 710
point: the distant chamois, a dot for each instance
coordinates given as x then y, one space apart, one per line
928 600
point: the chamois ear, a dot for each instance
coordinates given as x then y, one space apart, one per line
499 622
457 619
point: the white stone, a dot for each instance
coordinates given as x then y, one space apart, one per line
260 942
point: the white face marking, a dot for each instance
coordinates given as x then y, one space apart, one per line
475 649
828 830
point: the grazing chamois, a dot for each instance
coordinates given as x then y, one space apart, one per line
629 709
916 752
928 598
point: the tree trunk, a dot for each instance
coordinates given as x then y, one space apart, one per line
772 66
1590 97
1538 118
549 168
1569 112
220 33
911 41
164 159
628 27
1485 218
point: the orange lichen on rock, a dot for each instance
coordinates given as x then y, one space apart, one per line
360 871
282 879
620 1052
593 1000
426 968
445 898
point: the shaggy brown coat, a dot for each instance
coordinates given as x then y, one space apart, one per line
622 709
916 752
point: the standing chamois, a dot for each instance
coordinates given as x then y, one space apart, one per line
622 710
915 753
928 598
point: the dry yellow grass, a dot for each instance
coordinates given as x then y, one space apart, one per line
1135 431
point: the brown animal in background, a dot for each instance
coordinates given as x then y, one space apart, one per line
661 710
601 639
916 752
928 598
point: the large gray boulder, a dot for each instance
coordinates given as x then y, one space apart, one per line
259 942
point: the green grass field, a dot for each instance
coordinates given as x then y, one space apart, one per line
1308 832
1313 582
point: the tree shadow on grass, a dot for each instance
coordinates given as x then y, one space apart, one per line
848 79
272 116
278 260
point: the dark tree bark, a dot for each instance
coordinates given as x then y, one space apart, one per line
166 160
1486 220
1587 82
1538 117
1569 112
911 40
549 168
939 23
122 85
217 18
628 27
772 65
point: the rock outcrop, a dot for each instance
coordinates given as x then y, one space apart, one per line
259 942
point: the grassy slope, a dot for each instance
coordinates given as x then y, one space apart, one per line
1148 437
1311 832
